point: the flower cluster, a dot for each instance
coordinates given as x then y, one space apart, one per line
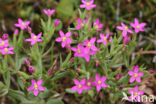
87 85
4 45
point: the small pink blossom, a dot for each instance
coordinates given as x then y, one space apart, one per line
87 4
104 39
99 82
90 44
64 38
81 23
124 29
135 94
78 51
97 25
151 71
34 39
31 69
3 43
138 27
49 12
126 39
79 86
7 50
135 74
86 53
57 22
21 24
27 62
5 36
50 72
36 86
89 84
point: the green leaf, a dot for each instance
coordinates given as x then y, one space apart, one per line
55 101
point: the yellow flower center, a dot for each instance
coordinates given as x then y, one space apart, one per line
99 82
88 4
135 75
136 93
23 24
5 49
105 39
2 43
138 27
36 87
79 51
82 24
88 84
80 86
64 38
34 37
126 27
96 26
89 44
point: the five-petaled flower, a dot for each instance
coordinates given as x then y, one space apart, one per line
21 24
81 23
34 39
138 27
89 84
78 51
49 12
135 94
99 82
135 74
3 43
124 29
64 38
79 85
104 39
7 50
36 86
87 4
90 44
97 25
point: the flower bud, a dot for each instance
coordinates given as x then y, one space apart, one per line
126 40
151 71
31 69
121 86
97 63
50 72
5 36
27 62
72 59
118 76
29 29
77 69
57 22
16 32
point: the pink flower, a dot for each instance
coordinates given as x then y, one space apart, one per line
87 4
64 38
151 71
126 39
78 51
86 53
57 22
31 69
104 39
97 25
7 50
27 62
89 84
49 12
90 44
21 24
3 43
118 76
34 39
36 86
79 86
50 72
124 29
81 23
99 82
138 27
135 74
5 36
136 94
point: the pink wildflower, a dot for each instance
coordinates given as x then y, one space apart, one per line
126 39
90 44
135 74
78 51
124 29
89 84
135 94
49 12
7 50
31 69
21 24
34 38
27 62
79 86
64 38
5 36
81 23
36 86
3 43
57 22
86 54
97 25
138 27
87 4
104 39
99 82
